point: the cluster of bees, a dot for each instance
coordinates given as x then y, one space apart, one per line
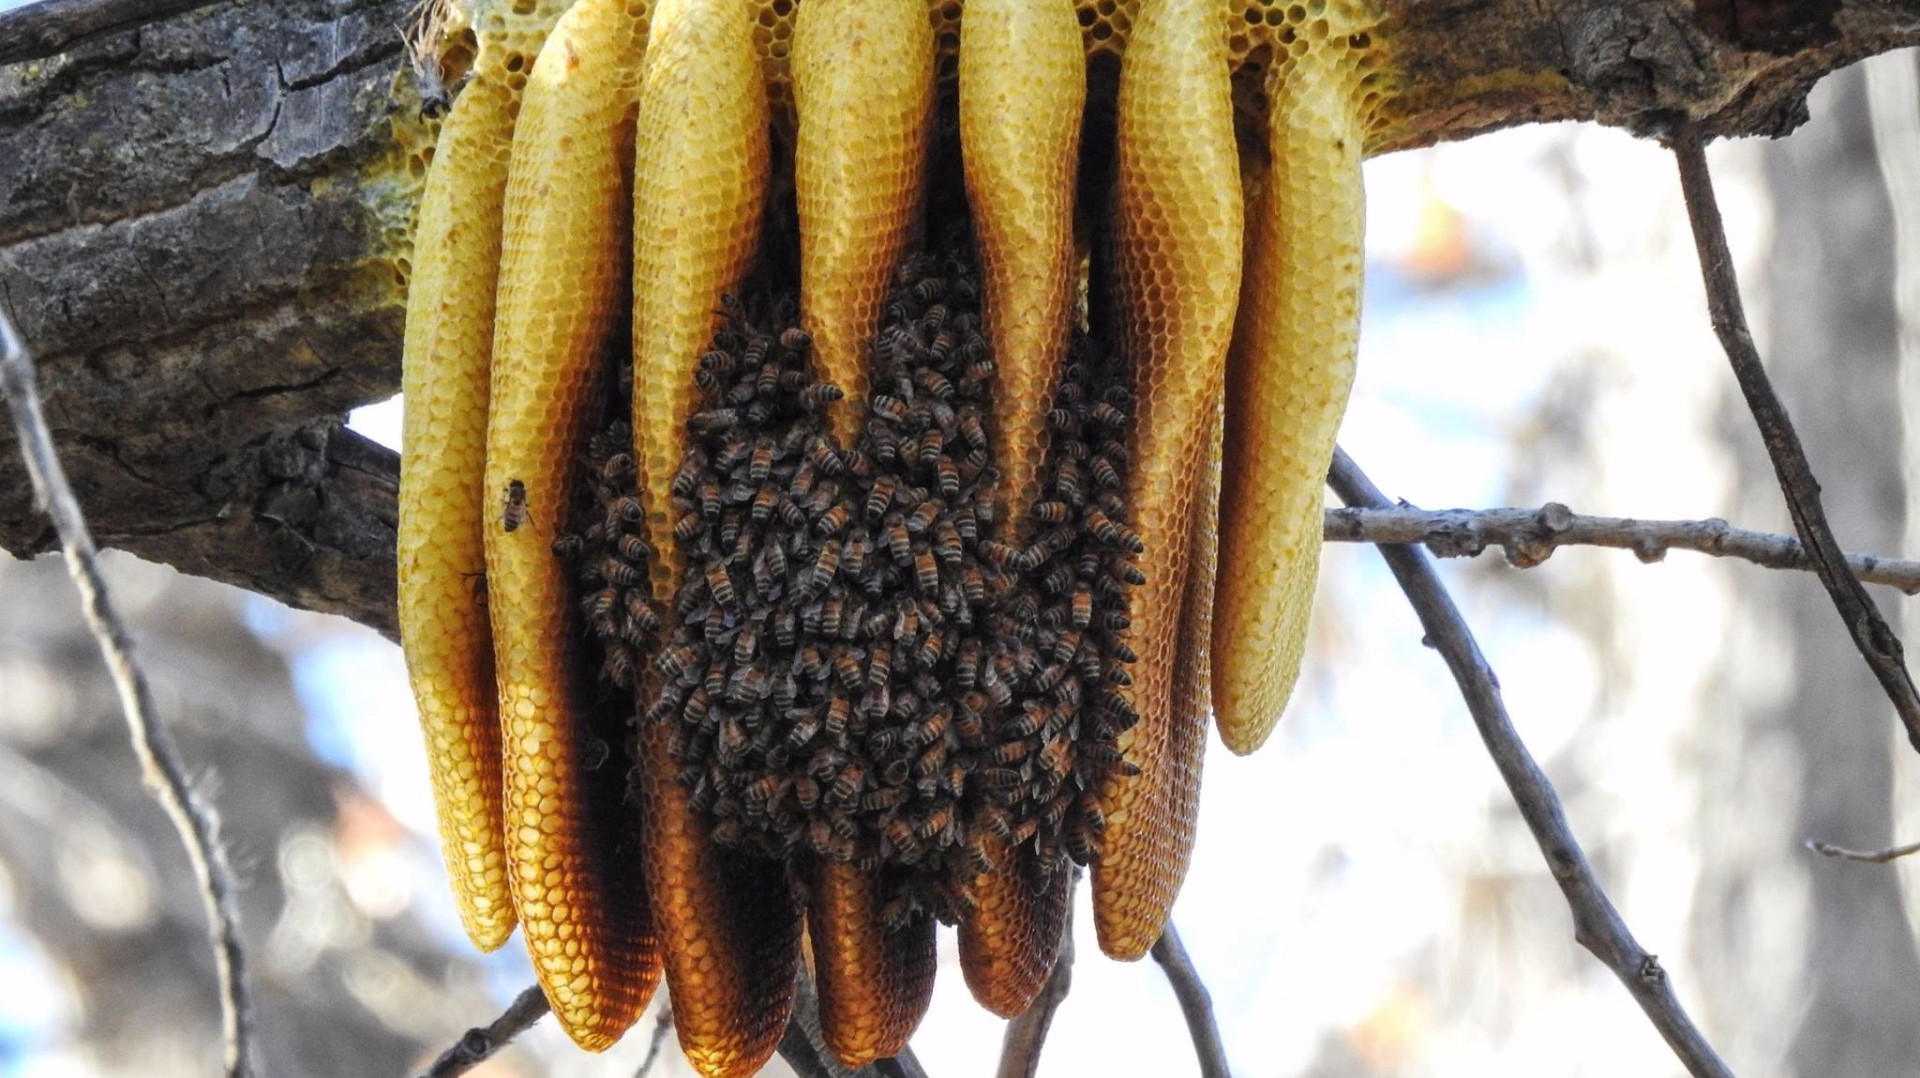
870 664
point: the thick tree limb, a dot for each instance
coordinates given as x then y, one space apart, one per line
161 765
1597 925
1529 536
203 233
51 27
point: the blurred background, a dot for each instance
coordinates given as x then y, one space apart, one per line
1364 900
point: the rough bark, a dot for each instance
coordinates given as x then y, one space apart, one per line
203 234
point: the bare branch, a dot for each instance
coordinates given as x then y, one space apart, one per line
1876 640
50 27
1596 923
1529 536
662 1025
1872 857
1027 1033
1195 1003
161 766
478 1044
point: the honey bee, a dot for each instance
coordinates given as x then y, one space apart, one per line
803 730
795 339
879 666
899 543
929 651
929 289
688 526
820 394
931 380
765 500
847 784
514 513
745 646
676 661
833 520
823 456
975 851
839 711
622 573
883 799
1104 473
806 792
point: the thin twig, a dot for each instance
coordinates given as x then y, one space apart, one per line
662 1025
1872 857
160 764
1529 536
477 1045
1195 1003
1027 1033
1876 640
51 27
1597 925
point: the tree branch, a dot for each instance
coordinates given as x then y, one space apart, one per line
1529 536
50 27
1871 634
1873 857
477 1045
1026 1034
1597 924
161 766
1195 1003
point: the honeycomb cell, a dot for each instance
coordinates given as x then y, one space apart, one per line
1291 368
563 255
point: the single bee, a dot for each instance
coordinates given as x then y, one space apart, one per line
820 394
676 661
839 711
847 784
688 526
931 380
765 500
623 573
884 798
795 339
823 456
1105 474
514 513
618 666
833 520
803 730
569 547
929 650
879 666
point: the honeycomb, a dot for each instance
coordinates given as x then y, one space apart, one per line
1177 254
442 593
905 575
1291 369
700 185
562 275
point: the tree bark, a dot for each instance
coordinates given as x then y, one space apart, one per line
203 232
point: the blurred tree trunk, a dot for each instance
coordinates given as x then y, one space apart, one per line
94 873
1831 346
